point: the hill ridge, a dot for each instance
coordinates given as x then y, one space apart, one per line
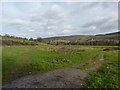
113 35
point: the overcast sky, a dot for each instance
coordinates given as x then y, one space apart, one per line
48 19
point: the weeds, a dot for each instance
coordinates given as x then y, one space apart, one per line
107 75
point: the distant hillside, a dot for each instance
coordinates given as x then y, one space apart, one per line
75 37
114 35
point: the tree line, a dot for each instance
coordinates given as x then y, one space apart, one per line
96 42
39 39
16 42
25 41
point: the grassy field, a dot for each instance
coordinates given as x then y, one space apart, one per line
107 76
20 61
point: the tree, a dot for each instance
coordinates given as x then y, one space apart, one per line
7 35
31 39
39 39
25 39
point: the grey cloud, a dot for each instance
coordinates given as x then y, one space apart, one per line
18 22
90 6
48 19
57 22
36 18
109 26
84 8
41 21
106 24
51 15
96 23
104 5
108 4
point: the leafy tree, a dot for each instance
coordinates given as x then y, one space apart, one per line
31 39
39 39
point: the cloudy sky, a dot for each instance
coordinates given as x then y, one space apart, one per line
48 19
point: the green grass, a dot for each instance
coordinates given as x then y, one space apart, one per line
94 60
107 75
0 65
20 61
61 40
